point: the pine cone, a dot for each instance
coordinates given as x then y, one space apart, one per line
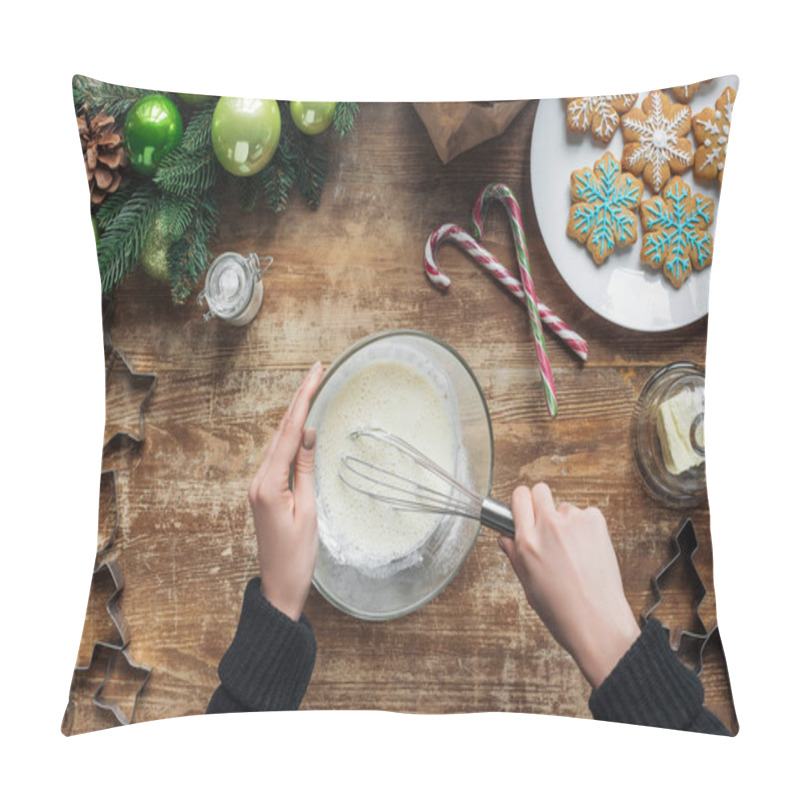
103 154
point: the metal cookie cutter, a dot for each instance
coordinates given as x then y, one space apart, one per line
691 643
115 647
142 674
138 438
108 485
110 570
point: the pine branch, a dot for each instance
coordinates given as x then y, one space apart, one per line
197 135
181 196
312 161
190 169
206 221
100 96
317 165
247 192
276 181
176 215
344 118
186 174
112 205
189 256
278 177
121 244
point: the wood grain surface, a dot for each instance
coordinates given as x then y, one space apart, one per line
185 540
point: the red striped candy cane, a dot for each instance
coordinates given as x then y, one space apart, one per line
466 242
501 192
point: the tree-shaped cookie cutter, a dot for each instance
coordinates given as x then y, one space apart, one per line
691 643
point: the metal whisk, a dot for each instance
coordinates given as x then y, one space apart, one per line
408 495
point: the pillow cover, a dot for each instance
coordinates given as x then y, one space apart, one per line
241 240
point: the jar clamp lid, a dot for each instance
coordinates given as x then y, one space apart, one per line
230 285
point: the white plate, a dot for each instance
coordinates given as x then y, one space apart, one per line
623 290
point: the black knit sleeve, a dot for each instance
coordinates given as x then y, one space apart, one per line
269 663
650 686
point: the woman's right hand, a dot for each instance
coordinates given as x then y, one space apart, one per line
285 520
566 564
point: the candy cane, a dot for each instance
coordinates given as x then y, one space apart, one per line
501 192
459 236
573 340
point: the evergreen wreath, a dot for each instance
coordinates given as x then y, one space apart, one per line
181 197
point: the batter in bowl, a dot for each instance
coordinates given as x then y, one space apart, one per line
401 398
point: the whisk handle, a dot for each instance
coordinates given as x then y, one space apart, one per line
497 516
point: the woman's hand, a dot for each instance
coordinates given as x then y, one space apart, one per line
566 564
286 520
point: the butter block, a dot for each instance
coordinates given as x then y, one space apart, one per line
674 418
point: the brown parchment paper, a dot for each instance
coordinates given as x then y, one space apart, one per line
456 127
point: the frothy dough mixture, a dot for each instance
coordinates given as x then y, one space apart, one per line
398 398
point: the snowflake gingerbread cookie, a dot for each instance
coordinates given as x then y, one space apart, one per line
604 201
685 93
656 140
711 128
599 114
676 237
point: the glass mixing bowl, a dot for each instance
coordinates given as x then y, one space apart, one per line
409 583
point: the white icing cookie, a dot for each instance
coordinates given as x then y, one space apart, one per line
657 146
711 128
599 114
685 93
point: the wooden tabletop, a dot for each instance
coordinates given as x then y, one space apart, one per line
184 541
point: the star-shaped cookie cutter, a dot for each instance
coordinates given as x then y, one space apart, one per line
691 643
112 705
108 477
112 570
114 649
138 438
115 646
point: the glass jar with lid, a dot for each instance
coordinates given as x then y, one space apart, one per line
234 290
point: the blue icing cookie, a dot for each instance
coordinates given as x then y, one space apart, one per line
604 201
676 238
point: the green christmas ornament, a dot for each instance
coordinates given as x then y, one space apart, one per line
312 118
155 261
245 133
153 128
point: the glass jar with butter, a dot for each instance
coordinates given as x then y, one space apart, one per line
667 433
